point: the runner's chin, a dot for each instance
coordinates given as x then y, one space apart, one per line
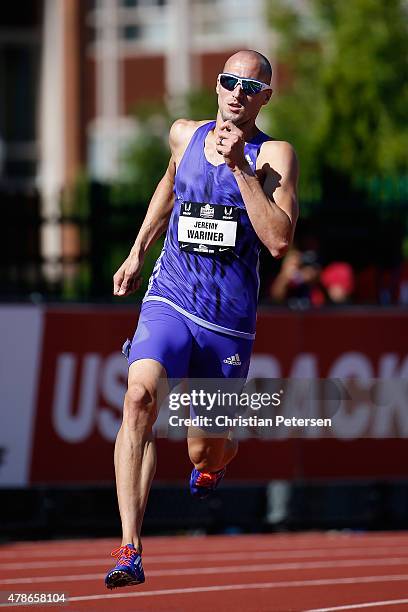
234 115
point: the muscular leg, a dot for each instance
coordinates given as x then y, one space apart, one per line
135 453
210 453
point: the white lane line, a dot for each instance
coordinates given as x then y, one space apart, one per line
244 587
232 569
238 542
234 556
368 604
263 585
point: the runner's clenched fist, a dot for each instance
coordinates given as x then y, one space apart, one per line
230 144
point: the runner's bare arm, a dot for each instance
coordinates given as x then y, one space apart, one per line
161 204
180 135
278 168
269 193
127 279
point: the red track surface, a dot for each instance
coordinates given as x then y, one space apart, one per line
265 573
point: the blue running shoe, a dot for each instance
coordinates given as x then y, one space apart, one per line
128 569
202 484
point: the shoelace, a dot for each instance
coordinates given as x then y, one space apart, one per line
124 554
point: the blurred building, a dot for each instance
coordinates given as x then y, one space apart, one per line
71 71
139 50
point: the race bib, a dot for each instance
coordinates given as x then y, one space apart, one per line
203 228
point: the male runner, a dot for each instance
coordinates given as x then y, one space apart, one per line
228 188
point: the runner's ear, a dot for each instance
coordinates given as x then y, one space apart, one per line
268 93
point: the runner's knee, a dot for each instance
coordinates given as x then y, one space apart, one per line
140 406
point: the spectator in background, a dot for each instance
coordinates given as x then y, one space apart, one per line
301 283
297 283
338 282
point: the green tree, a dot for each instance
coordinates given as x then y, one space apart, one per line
344 95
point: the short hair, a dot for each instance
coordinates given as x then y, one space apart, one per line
266 65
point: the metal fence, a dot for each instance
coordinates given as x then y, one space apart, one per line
97 233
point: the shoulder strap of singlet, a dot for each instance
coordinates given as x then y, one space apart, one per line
255 145
259 140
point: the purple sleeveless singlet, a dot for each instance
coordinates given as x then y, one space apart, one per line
208 267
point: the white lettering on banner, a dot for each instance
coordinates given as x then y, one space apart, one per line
299 404
108 376
267 366
392 413
352 365
347 365
388 366
75 426
113 388
264 366
349 426
383 415
304 366
105 379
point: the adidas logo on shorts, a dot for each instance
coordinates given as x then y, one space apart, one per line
233 360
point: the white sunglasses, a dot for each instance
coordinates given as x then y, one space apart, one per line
250 87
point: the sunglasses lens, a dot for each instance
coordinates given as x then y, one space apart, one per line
228 82
251 87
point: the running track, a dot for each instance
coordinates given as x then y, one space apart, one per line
264 573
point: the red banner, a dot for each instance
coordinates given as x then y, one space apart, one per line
83 381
